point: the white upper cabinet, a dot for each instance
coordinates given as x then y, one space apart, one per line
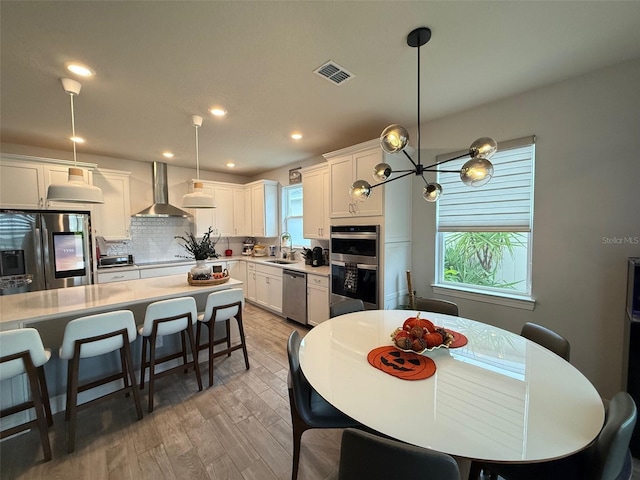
24 182
220 219
241 223
21 185
345 168
315 198
241 210
112 219
264 208
223 195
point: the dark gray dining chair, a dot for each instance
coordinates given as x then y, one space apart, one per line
547 338
436 305
365 455
607 458
308 408
346 306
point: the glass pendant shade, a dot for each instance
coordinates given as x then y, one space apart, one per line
360 190
198 199
381 172
394 138
431 192
483 147
476 172
75 190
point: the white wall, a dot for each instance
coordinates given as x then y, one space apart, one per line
586 188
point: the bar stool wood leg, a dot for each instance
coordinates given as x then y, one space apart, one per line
45 395
168 317
221 307
92 336
38 402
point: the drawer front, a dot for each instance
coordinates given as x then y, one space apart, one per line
109 277
163 271
269 270
317 281
251 266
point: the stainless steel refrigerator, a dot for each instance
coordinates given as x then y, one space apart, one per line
52 248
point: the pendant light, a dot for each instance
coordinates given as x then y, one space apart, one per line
477 171
76 190
197 199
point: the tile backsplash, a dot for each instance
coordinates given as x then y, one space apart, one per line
153 240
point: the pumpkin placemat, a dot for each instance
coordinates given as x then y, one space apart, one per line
404 365
459 340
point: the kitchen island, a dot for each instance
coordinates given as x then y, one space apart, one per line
24 309
48 311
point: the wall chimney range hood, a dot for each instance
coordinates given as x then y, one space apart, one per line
161 207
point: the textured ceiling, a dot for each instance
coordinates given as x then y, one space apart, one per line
157 63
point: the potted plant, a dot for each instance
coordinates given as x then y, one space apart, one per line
200 251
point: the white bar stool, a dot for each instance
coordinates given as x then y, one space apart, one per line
168 317
91 336
22 352
221 307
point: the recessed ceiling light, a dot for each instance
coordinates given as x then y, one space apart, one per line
230 164
218 111
296 135
80 69
77 139
167 154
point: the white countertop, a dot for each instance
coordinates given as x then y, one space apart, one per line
299 266
20 309
499 398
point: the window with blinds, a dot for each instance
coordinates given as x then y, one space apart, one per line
484 233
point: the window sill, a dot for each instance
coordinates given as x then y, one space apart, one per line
525 303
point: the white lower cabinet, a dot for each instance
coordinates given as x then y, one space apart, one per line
268 287
238 271
250 292
118 276
317 299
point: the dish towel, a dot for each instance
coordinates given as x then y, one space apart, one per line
350 277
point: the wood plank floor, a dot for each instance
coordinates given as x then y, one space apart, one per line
238 429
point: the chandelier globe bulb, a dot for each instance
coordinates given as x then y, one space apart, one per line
360 190
431 192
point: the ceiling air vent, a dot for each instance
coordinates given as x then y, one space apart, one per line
334 73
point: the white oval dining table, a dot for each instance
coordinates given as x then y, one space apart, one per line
500 398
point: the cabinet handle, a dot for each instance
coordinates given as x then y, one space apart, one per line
118 276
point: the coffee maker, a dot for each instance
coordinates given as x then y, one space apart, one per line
247 246
317 257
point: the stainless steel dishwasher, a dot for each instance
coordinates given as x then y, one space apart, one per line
294 301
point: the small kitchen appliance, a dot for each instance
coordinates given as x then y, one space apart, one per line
247 246
317 258
115 261
272 250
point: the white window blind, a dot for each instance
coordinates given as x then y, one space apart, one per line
505 204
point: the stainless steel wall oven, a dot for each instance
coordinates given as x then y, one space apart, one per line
354 256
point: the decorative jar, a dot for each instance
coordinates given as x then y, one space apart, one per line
201 271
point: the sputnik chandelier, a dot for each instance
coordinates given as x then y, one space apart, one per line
477 171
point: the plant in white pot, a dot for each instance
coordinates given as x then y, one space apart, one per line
200 251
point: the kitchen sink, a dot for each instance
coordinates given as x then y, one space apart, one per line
281 261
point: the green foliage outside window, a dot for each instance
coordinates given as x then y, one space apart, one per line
476 258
